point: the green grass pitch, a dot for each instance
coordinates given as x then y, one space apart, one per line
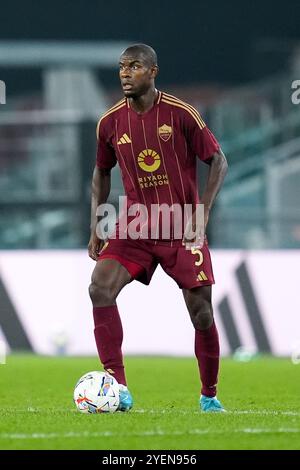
262 398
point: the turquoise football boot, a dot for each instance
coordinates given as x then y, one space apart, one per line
211 404
126 401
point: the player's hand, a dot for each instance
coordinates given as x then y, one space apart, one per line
94 247
196 241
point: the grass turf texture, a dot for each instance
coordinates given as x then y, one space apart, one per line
262 398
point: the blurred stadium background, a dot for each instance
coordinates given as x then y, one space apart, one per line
235 62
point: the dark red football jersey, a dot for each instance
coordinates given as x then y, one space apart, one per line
156 150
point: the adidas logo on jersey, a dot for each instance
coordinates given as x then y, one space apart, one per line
124 140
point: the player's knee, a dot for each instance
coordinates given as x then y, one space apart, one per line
203 320
202 316
101 294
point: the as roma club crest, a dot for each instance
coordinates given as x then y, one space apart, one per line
165 132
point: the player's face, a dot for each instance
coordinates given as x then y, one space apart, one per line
136 75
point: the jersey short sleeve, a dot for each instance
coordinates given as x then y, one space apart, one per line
106 157
200 139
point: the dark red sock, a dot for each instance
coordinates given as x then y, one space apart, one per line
109 336
207 351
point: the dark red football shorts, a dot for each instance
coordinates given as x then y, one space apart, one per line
188 267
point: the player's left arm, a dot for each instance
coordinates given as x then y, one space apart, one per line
206 147
217 171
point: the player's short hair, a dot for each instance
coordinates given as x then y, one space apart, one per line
148 52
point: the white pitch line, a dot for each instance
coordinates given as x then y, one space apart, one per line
266 412
229 412
150 433
158 411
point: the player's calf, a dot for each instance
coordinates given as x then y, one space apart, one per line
198 302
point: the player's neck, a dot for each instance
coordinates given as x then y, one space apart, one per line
143 103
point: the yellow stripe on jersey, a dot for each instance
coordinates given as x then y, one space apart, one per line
112 108
179 105
122 101
117 106
197 117
193 112
200 123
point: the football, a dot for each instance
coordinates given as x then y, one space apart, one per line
96 392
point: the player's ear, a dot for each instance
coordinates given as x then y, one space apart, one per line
154 71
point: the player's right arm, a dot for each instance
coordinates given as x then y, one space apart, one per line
101 183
